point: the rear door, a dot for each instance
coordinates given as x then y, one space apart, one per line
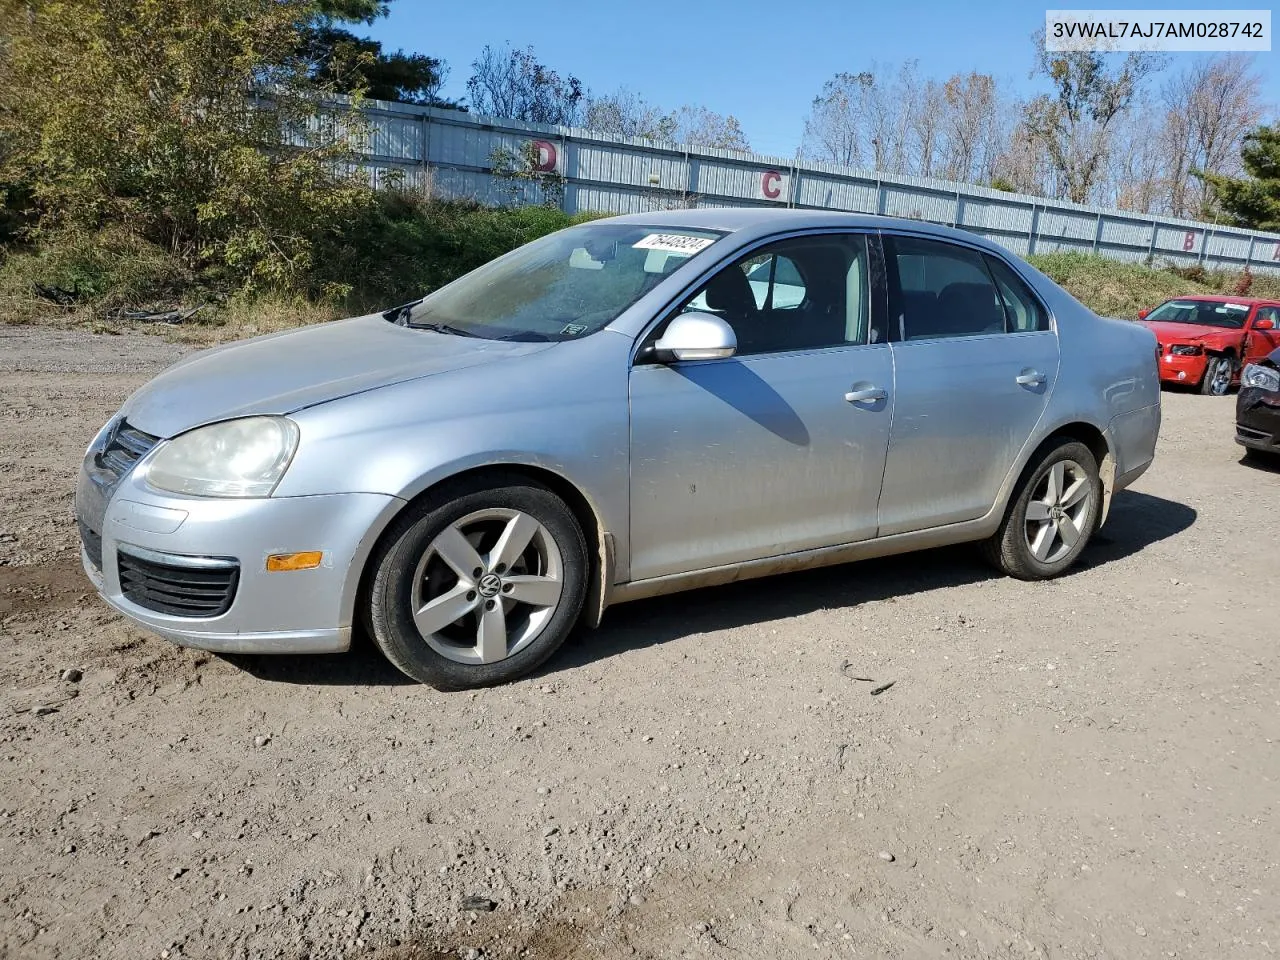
975 361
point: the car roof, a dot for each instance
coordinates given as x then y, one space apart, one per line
1224 298
762 220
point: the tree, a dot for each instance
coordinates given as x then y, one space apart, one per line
191 124
1211 106
352 64
1076 123
973 127
1253 201
511 83
627 114
835 129
699 127
1021 164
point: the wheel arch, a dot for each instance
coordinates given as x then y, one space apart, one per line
599 540
1093 437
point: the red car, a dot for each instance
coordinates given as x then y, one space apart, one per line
1206 341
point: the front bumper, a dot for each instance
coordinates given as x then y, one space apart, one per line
1182 369
1258 419
303 611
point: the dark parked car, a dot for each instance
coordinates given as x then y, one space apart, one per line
1258 406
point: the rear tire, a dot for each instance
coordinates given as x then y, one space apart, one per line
1053 514
1216 381
478 584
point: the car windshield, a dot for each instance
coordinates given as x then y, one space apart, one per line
1210 313
562 287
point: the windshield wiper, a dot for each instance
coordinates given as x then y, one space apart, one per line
442 328
527 336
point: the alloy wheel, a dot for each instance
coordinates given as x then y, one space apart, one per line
487 585
1059 511
1221 381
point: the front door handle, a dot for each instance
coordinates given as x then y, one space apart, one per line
1030 378
864 394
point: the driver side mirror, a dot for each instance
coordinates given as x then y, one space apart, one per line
1264 323
1142 314
696 336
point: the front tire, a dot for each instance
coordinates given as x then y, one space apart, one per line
478 585
1216 381
1051 518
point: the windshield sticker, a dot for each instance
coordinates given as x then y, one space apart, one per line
1235 306
673 243
573 329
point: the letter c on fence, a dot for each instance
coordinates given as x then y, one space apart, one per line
769 184
1189 241
546 155
1276 255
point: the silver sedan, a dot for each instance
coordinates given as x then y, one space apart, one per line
631 407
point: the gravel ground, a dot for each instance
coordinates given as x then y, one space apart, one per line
1083 768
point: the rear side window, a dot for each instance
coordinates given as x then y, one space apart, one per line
1023 312
943 290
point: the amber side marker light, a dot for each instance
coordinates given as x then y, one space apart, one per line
281 562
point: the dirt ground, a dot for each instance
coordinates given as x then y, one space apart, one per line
1083 768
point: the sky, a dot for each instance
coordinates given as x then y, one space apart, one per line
761 60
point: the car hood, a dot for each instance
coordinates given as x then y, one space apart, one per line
1188 332
284 372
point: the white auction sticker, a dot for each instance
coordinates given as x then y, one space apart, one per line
673 243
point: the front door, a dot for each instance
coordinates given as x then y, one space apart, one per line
1260 341
975 362
761 454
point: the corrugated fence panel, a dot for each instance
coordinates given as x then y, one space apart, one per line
910 202
1117 232
836 193
604 163
633 176
995 216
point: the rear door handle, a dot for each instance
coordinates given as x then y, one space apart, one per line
1030 378
863 394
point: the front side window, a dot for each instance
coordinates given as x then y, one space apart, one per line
1269 313
562 287
1207 313
943 290
799 294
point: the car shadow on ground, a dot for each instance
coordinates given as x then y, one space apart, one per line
1261 463
1137 521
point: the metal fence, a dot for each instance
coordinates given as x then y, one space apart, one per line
452 153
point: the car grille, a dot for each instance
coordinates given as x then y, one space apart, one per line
126 447
92 541
178 586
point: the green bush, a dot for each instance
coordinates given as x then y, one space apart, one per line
404 246
100 271
397 248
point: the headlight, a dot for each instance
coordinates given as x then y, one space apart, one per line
238 458
1265 378
1186 349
